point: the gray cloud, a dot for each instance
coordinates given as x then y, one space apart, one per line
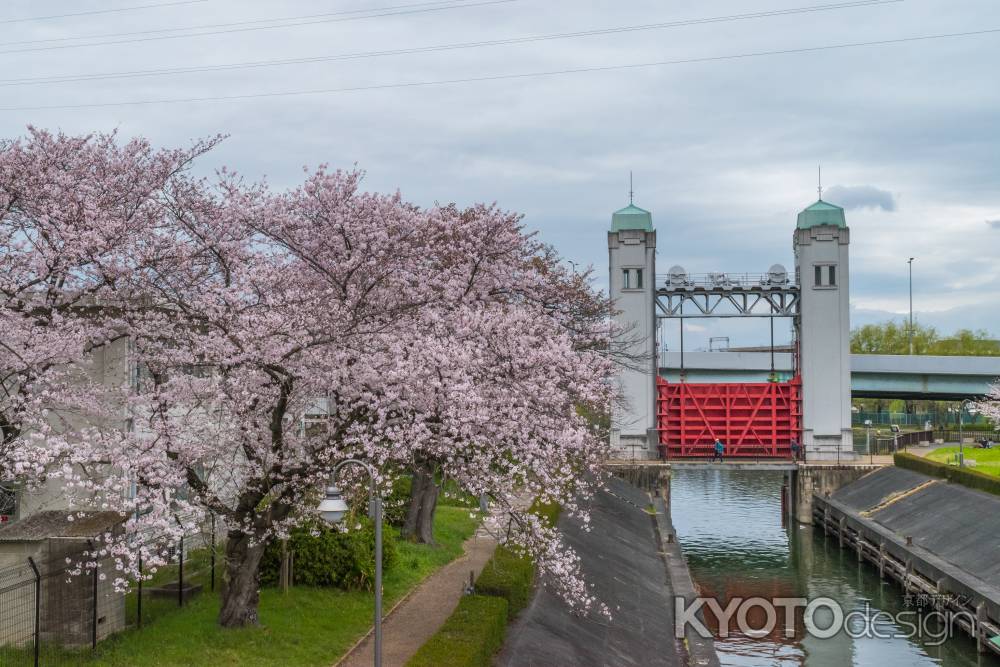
861 196
724 153
995 224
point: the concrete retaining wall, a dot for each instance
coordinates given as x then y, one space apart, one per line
933 537
809 480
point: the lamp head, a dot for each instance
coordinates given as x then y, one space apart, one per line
332 508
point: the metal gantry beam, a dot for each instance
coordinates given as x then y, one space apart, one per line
752 301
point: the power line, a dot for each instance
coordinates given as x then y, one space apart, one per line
504 77
440 47
250 26
154 5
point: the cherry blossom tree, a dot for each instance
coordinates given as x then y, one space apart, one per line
427 338
546 296
71 210
991 405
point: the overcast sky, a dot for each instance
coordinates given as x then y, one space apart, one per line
724 150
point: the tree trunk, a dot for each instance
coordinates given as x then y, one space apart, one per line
425 524
413 511
419 525
241 594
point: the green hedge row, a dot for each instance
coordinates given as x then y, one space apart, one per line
509 576
512 576
470 636
474 632
964 476
547 511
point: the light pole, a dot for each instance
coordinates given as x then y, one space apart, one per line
333 508
868 440
961 439
910 263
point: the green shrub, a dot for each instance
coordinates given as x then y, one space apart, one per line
509 576
396 504
452 495
548 511
964 476
470 636
324 556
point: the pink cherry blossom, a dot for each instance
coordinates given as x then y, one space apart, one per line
270 335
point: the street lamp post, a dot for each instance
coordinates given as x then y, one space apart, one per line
333 508
910 262
868 440
961 438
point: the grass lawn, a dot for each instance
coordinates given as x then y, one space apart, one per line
987 460
306 626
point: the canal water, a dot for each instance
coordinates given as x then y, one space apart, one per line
730 525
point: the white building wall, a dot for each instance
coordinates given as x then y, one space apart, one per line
824 329
111 366
633 423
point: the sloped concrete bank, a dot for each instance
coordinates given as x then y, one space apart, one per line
621 556
936 539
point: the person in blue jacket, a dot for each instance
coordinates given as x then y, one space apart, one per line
720 449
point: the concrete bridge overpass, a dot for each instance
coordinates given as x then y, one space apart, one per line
872 375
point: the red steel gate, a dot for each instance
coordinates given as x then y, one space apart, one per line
752 419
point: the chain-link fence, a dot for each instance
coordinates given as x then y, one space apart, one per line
56 605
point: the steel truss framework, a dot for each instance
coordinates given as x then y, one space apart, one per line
752 301
751 419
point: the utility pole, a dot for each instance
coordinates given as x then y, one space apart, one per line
910 262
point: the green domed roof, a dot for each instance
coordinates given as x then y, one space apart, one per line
632 217
822 213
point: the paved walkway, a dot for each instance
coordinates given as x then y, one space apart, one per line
407 626
419 615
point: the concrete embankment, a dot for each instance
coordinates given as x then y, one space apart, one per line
621 557
936 539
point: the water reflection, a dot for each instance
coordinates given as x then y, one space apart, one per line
729 523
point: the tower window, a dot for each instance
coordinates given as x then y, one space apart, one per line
825 275
631 278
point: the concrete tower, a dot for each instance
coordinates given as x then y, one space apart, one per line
823 325
632 260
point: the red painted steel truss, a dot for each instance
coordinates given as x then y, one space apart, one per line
752 419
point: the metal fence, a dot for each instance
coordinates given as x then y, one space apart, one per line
938 418
56 606
976 435
865 445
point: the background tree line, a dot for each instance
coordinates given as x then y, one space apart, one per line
893 338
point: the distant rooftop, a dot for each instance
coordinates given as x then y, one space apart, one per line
822 213
632 217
